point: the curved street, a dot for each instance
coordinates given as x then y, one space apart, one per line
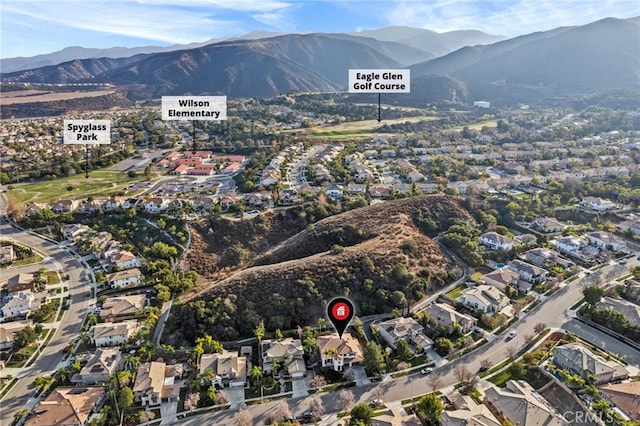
20 395
553 312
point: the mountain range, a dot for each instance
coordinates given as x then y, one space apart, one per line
587 59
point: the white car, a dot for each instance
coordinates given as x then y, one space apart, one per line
511 335
426 370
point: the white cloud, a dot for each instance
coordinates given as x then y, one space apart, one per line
506 17
161 20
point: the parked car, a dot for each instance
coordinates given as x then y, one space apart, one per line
426 370
511 335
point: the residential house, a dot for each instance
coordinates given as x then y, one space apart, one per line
109 248
7 255
606 240
130 203
548 225
203 203
64 206
530 273
20 283
8 332
255 200
284 350
334 191
104 363
569 245
546 258
446 317
486 298
227 202
230 369
395 417
74 230
495 241
155 382
126 278
406 329
124 260
112 334
17 305
598 204
339 353
469 412
625 397
111 203
519 403
67 406
629 310
581 361
501 278
156 204
119 308
289 197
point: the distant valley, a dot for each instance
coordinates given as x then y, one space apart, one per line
530 68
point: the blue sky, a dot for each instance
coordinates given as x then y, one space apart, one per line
31 27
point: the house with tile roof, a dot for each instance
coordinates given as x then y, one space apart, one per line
501 278
103 363
155 382
445 316
8 332
625 397
119 308
230 369
112 334
486 298
522 405
579 360
406 329
495 241
469 413
339 353
66 406
126 278
606 240
281 350
526 271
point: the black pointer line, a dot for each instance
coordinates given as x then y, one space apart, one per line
379 117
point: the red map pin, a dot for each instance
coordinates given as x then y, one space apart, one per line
340 312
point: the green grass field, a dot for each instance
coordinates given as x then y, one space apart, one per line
361 129
478 126
101 183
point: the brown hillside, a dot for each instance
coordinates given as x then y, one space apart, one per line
386 256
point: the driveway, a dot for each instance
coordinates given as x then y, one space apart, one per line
299 387
359 375
168 412
235 395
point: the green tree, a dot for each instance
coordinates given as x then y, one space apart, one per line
403 350
431 407
373 360
443 346
258 332
256 374
361 414
163 294
125 398
592 295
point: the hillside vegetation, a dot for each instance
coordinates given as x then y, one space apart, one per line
380 256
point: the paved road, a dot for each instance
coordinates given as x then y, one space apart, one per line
603 340
20 395
553 312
